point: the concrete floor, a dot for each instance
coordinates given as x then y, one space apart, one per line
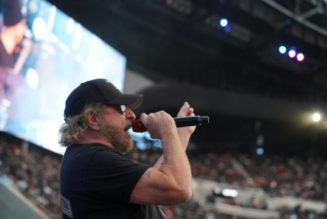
14 206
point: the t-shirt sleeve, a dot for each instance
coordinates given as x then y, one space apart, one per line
113 176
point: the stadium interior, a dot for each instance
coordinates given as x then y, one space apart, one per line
263 154
235 75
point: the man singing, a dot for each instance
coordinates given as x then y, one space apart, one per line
97 180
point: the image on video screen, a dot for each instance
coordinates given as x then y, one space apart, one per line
44 54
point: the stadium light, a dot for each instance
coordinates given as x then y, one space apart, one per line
260 151
282 49
225 193
223 22
300 57
316 117
291 53
231 193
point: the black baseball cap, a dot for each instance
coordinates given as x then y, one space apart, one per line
12 13
98 91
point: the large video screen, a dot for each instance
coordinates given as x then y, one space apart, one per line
44 55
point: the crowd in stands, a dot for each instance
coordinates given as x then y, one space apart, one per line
35 173
298 177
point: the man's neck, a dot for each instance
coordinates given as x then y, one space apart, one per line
8 41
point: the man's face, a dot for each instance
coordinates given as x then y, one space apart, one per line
113 128
19 30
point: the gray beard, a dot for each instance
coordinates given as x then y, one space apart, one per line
111 134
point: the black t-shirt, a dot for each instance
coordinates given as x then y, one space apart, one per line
6 60
96 182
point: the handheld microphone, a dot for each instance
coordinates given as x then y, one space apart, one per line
137 125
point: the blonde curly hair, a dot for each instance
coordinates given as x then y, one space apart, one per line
74 126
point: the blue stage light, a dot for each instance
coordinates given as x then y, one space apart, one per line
282 49
223 22
260 151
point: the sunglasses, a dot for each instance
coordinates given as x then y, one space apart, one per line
121 108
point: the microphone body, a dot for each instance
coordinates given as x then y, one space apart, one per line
137 125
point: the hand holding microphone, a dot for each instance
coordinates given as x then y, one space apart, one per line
185 117
137 125
158 124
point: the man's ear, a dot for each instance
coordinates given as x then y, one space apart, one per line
92 120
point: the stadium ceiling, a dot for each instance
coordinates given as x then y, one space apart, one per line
309 13
180 41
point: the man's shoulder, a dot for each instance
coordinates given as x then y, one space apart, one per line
86 152
95 153
87 148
